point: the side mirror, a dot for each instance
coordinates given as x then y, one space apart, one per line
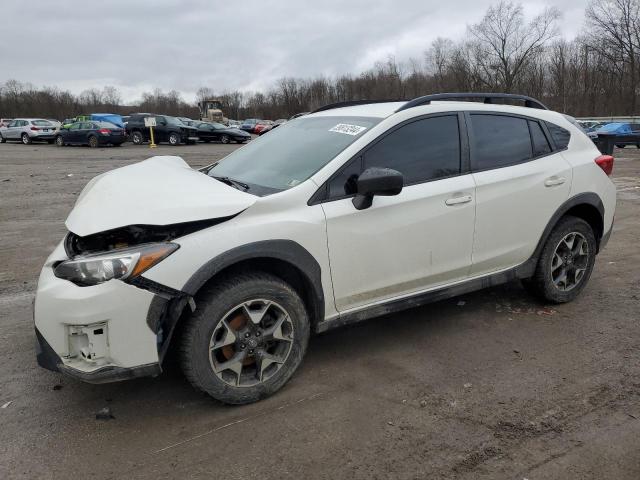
376 181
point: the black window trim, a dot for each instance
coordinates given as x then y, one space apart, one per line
542 123
322 194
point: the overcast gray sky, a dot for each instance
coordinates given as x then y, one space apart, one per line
136 45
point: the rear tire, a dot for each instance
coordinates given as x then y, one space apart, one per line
93 142
137 138
566 262
242 368
26 139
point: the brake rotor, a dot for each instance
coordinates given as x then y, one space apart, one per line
236 324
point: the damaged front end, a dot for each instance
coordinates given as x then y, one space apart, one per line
99 329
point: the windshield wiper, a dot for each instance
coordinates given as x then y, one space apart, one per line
232 182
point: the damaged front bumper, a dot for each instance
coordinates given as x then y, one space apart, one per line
103 333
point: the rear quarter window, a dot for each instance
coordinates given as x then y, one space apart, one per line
560 136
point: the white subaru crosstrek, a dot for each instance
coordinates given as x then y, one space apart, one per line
353 211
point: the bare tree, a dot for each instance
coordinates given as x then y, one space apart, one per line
505 44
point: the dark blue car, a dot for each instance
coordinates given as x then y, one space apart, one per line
626 133
91 133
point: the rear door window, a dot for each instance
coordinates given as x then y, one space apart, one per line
538 140
499 141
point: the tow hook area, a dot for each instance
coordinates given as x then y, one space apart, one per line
89 343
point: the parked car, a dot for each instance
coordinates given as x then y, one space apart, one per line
217 132
4 122
262 126
168 129
91 133
626 133
235 124
249 124
28 130
345 214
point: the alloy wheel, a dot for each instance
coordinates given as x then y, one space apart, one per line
570 261
251 343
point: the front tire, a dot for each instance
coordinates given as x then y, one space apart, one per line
246 339
26 139
566 262
174 139
2 139
59 141
225 139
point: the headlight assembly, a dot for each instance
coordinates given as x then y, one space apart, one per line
116 264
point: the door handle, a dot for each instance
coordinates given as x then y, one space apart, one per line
458 200
552 181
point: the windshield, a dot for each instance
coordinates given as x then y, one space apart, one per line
42 123
290 154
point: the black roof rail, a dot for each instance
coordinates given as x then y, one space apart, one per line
486 98
352 103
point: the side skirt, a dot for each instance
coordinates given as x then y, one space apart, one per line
521 271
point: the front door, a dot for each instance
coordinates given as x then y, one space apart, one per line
419 239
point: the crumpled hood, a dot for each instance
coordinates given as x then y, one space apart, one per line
159 191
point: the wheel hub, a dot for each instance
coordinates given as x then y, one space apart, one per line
569 262
251 343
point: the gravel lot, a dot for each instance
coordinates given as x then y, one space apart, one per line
489 385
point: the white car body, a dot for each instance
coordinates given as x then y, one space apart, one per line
33 128
434 239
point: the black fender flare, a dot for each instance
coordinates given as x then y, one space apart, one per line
587 198
285 250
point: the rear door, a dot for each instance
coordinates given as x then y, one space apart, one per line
521 179
410 242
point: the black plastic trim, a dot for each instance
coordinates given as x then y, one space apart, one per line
352 103
418 300
45 355
486 97
110 374
285 250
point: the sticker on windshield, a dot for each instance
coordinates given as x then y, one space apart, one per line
348 129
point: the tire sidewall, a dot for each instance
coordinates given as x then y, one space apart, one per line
174 139
214 308
543 273
59 141
25 139
225 139
94 140
136 138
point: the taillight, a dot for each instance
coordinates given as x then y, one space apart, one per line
35 128
104 131
605 162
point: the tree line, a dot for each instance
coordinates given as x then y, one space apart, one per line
595 74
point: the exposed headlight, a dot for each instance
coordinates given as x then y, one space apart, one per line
116 264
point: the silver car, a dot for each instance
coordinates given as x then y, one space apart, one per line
28 130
